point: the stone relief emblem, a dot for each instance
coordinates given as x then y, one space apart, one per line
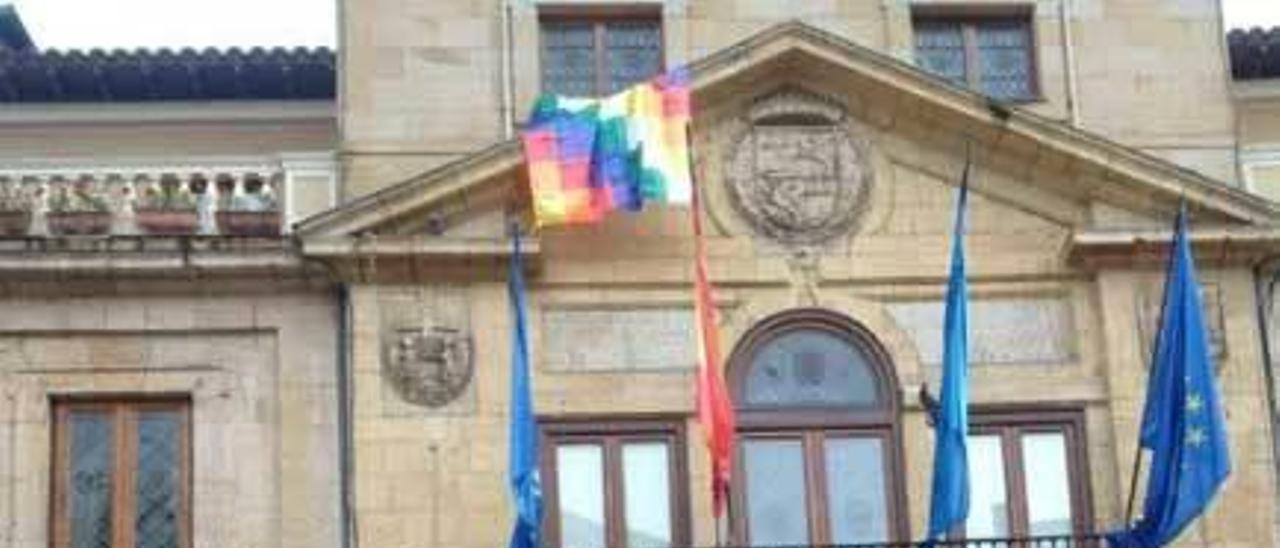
429 366
799 170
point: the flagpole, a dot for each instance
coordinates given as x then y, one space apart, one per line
1133 480
694 205
1155 343
695 201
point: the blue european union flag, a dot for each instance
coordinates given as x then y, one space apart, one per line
949 505
1182 423
525 486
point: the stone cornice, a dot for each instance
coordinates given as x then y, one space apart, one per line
1215 245
422 247
368 211
151 256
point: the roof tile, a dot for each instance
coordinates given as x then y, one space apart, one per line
1255 53
97 76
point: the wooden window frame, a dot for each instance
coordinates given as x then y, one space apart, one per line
969 17
599 16
813 426
611 433
123 412
1010 423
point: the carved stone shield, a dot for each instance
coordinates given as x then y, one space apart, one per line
429 367
797 175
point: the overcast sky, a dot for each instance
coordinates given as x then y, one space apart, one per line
199 23
176 23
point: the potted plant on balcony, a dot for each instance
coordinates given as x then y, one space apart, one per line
76 210
167 208
253 213
15 210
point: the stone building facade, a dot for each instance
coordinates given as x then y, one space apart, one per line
171 376
340 378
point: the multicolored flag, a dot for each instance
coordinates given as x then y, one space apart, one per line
587 157
1182 421
949 503
715 410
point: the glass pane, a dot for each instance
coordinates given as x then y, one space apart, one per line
1044 458
646 487
810 368
633 52
856 491
940 50
90 488
569 59
1004 53
580 485
988 503
776 510
157 479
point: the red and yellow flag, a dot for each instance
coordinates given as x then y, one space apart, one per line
715 410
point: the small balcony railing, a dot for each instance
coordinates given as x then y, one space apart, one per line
166 203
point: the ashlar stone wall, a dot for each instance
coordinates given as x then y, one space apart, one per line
257 360
423 80
1050 332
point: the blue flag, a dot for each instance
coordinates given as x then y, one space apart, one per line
526 488
1182 423
950 503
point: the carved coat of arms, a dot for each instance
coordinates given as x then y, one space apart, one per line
796 173
429 367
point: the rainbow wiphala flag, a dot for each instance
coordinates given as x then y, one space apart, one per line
587 157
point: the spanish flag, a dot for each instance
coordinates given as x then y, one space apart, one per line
715 410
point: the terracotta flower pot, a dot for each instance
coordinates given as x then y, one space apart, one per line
76 223
249 223
14 222
167 221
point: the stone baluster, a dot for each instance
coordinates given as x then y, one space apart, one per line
146 189
95 195
226 190
13 207
61 198
40 193
124 197
275 192
237 201
255 190
206 203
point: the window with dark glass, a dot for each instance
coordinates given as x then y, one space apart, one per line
615 483
992 54
818 448
121 474
1026 471
595 54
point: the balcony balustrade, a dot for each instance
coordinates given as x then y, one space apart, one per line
141 203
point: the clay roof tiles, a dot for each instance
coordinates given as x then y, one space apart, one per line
129 76
1255 53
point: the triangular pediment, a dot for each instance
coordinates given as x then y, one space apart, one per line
1103 181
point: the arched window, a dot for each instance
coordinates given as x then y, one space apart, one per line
819 449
